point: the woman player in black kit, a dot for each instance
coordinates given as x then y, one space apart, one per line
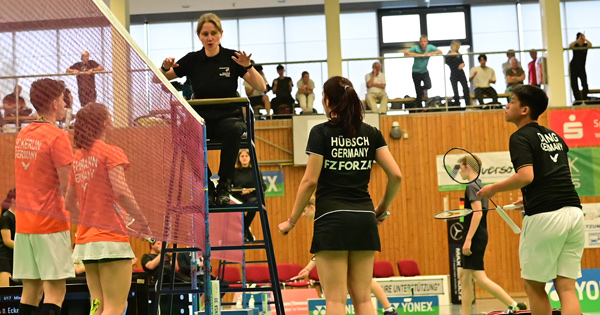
341 152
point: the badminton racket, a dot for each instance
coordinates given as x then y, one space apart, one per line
457 157
457 213
242 189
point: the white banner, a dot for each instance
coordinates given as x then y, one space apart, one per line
496 167
591 211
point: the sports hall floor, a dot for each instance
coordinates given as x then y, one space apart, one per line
485 306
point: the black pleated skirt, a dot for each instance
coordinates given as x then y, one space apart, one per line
346 230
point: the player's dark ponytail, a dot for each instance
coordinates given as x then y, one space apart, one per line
346 109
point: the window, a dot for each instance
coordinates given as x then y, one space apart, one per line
138 32
305 38
446 26
400 28
169 40
264 38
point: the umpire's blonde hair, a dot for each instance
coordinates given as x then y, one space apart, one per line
209 18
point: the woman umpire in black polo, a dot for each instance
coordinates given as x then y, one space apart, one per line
213 72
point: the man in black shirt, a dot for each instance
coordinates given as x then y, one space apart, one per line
552 240
151 261
282 87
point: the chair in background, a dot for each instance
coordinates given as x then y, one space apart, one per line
383 269
408 268
258 274
287 272
232 276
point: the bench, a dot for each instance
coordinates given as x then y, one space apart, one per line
500 95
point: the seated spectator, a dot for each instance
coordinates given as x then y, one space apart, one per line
184 266
305 95
376 89
482 77
7 229
151 261
515 75
9 103
282 87
256 97
243 184
507 65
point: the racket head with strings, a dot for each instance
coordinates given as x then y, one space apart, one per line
452 214
457 213
461 165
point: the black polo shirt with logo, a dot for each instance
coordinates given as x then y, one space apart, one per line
212 77
552 186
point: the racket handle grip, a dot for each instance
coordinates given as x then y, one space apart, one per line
508 220
384 215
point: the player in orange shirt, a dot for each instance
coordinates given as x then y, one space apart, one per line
99 191
43 156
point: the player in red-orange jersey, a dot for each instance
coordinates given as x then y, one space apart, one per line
97 187
43 156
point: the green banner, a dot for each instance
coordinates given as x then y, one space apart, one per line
585 170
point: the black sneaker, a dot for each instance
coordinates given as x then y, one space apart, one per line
522 306
223 192
212 194
248 237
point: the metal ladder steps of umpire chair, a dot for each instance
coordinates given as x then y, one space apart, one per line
266 244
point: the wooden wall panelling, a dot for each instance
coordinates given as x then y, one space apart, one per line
411 232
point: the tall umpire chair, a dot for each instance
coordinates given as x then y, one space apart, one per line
266 244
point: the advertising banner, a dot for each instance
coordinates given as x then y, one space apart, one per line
579 128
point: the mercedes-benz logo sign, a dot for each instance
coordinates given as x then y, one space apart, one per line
456 231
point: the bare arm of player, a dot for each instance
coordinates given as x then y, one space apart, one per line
475 220
124 195
306 189
385 159
63 178
522 178
6 238
71 202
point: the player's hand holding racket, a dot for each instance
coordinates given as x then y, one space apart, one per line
381 215
464 168
301 275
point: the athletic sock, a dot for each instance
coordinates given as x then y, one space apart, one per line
26 309
389 309
50 309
